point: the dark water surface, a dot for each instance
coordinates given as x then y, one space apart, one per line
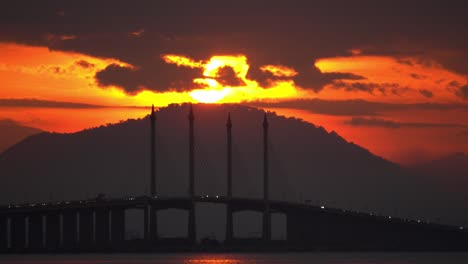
241 258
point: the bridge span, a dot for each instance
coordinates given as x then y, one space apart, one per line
99 224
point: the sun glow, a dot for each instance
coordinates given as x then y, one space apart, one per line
391 79
279 70
213 91
209 96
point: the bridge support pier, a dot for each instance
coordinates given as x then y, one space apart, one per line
192 233
53 231
69 224
229 220
266 226
18 232
266 234
117 227
102 227
86 228
293 225
35 232
3 233
146 234
229 224
153 228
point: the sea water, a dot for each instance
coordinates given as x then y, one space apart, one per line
243 258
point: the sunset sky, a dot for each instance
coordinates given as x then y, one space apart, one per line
390 76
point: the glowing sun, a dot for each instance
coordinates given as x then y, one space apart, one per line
209 96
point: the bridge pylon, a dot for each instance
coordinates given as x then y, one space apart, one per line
266 230
153 227
229 216
192 224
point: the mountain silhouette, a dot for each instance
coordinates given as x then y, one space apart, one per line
452 166
12 133
307 163
450 175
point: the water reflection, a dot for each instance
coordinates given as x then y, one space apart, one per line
204 260
242 258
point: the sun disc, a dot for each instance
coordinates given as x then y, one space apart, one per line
209 96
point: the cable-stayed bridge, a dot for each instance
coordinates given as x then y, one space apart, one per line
99 224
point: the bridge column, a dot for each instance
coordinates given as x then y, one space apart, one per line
117 227
3 233
53 230
192 236
18 232
153 229
293 228
146 234
35 232
102 227
229 222
69 230
266 232
86 228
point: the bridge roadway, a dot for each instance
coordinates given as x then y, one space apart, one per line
159 203
98 225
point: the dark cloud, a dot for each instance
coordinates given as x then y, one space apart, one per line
379 122
384 88
264 79
426 93
227 77
355 107
463 92
116 75
342 76
43 103
290 33
84 64
160 77
417 76
308 77
404 61
454 84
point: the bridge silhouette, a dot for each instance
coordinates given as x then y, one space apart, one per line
99 224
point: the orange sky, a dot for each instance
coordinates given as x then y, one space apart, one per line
38 73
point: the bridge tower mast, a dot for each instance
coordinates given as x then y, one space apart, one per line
192 225
153 152
152 221
229 222
266 234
